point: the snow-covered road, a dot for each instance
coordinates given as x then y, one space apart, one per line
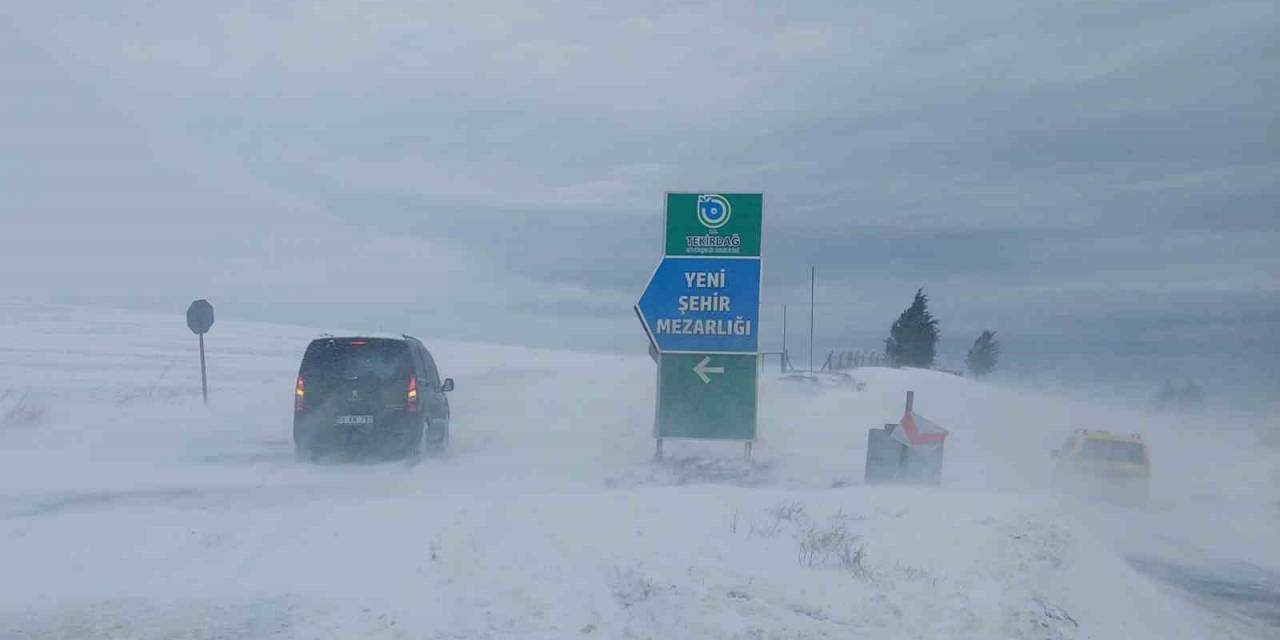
1245 590
129 510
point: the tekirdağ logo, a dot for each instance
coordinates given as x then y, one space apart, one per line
713 210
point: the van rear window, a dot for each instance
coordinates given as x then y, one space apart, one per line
358 358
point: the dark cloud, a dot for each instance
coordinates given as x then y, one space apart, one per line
1038 168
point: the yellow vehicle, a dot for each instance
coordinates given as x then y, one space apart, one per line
1105 466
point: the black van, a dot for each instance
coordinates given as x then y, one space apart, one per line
380 396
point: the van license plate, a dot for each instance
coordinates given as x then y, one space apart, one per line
352 420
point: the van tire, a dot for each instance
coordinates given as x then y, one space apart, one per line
437 440
413 445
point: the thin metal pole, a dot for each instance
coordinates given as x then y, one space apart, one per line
812 276
204 378
784 339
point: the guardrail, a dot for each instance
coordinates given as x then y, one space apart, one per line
845 360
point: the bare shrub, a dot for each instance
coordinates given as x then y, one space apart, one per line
766 529
831 546
787 511
630 586
776 517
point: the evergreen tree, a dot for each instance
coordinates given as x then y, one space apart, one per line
913 338
1192 397
983 355
1185 397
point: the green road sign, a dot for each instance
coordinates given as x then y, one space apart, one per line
709 396
714 225
701 310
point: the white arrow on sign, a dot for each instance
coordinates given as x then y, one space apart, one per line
702 370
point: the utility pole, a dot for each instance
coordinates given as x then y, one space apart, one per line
812 277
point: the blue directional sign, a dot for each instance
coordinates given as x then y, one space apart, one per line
703 305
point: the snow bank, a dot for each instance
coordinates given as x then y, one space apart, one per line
132 511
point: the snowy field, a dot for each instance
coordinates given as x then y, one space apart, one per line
128 510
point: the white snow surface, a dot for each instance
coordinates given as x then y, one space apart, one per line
129 510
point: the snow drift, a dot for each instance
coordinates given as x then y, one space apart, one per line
129 510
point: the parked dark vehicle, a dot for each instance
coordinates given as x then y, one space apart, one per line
369 396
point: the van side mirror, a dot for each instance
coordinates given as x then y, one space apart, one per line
447 385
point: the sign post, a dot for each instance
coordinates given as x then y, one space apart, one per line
200 320
701 311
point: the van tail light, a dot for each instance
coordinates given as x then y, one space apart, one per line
299 396
411 400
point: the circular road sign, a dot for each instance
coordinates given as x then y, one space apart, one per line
200 316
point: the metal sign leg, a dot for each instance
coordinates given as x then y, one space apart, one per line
204 378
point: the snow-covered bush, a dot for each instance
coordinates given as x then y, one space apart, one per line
631 586
831 545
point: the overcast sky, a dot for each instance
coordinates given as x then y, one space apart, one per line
1083 177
